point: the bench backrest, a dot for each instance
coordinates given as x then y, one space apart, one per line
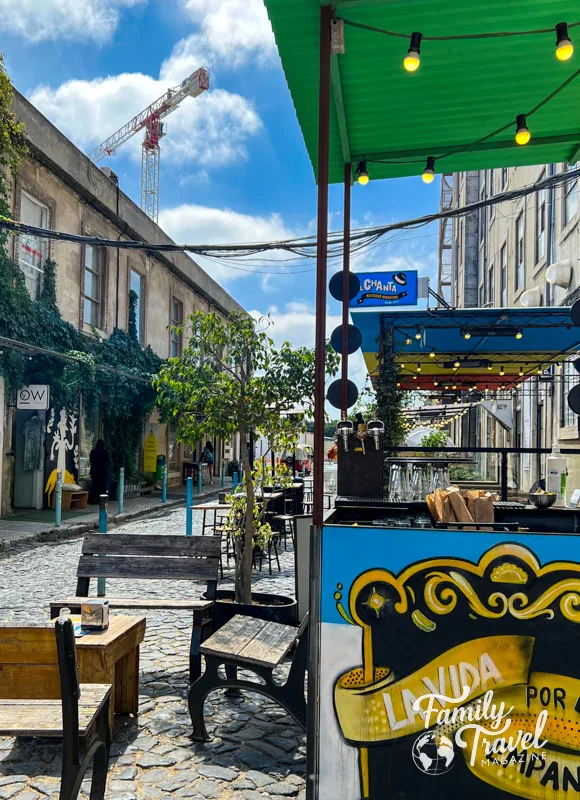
29 662
146 556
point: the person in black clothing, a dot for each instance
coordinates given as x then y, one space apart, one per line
100 469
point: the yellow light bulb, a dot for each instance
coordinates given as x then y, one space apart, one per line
412 61
363 179
523 136
519 335
467 335
431 354
456 364
428 177
564 46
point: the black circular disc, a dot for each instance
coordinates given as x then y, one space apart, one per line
334 393
575 313
335 286
574 399
354 339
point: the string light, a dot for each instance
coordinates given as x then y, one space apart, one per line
432 354
418 367
466 334
521 372
435 383
501 371
519 334
361 171
428 175
523 134
457 363
419 334
490 367
564 46
408 340
412 60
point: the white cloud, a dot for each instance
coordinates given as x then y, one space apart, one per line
198 224
210 129
230 33
81 20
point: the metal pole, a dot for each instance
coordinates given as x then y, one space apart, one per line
199 479
58 500
223 474
103 498
319 400
504 476
188 504
321 257
121 490
164 485
345 289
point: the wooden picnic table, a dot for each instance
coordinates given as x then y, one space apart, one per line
112 656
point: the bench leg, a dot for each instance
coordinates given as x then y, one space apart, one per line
197 693
127 683
201 624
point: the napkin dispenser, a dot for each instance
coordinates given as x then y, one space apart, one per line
94 615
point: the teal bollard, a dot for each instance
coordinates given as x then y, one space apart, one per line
235 481
223 474
58 500
103 498
164 485
121 490
188 504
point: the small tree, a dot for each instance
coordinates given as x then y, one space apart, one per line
231 379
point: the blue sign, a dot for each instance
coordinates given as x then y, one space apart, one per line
386 289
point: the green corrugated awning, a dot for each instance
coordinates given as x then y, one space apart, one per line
462 91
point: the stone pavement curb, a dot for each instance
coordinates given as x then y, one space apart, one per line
71 531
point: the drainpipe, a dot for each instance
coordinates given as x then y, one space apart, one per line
118 269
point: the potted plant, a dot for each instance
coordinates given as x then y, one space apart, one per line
232 379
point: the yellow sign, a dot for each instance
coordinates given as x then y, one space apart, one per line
150 453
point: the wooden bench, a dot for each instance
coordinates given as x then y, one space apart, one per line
260 647
40 696
148 557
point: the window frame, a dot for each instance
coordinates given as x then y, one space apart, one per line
140 316
520 277
540 215
98 302
175 340
490 293
44 248
570 190
503 269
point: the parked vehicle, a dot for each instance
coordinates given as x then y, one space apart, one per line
303 456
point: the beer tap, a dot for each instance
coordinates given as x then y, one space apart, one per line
345 429
375 428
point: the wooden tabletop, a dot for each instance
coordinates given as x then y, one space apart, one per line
119 626
212 507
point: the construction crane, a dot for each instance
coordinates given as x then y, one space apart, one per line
149 120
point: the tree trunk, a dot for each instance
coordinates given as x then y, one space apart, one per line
245 544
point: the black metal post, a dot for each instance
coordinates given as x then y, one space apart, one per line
345 287
504 475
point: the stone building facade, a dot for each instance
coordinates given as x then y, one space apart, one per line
521 253
58 187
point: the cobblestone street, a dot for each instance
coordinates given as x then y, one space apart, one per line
256 752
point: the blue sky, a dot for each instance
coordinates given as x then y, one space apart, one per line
233 165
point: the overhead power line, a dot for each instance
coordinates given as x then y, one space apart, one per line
303 247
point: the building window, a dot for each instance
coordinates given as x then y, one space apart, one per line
491 193
570 197
540 223
520 268
491 285
176 319
504 177
138 286
568 380
93 290
503 275
32 250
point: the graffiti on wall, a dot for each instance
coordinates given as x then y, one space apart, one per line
62 451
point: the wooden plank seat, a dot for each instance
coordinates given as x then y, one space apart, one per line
149 557
260 647
40 695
